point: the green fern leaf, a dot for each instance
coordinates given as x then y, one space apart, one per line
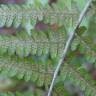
25 69
76 78
39 43
27 16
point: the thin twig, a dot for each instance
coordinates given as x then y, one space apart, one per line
68 43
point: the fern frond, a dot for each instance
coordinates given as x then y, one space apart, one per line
70 73
42 74
17 15
40 43
37 44
25 69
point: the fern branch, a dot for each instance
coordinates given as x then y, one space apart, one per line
68 45
16 15
38 44
70 73
25 69
51 43
42 73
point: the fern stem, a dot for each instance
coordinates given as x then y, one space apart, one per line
68 43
